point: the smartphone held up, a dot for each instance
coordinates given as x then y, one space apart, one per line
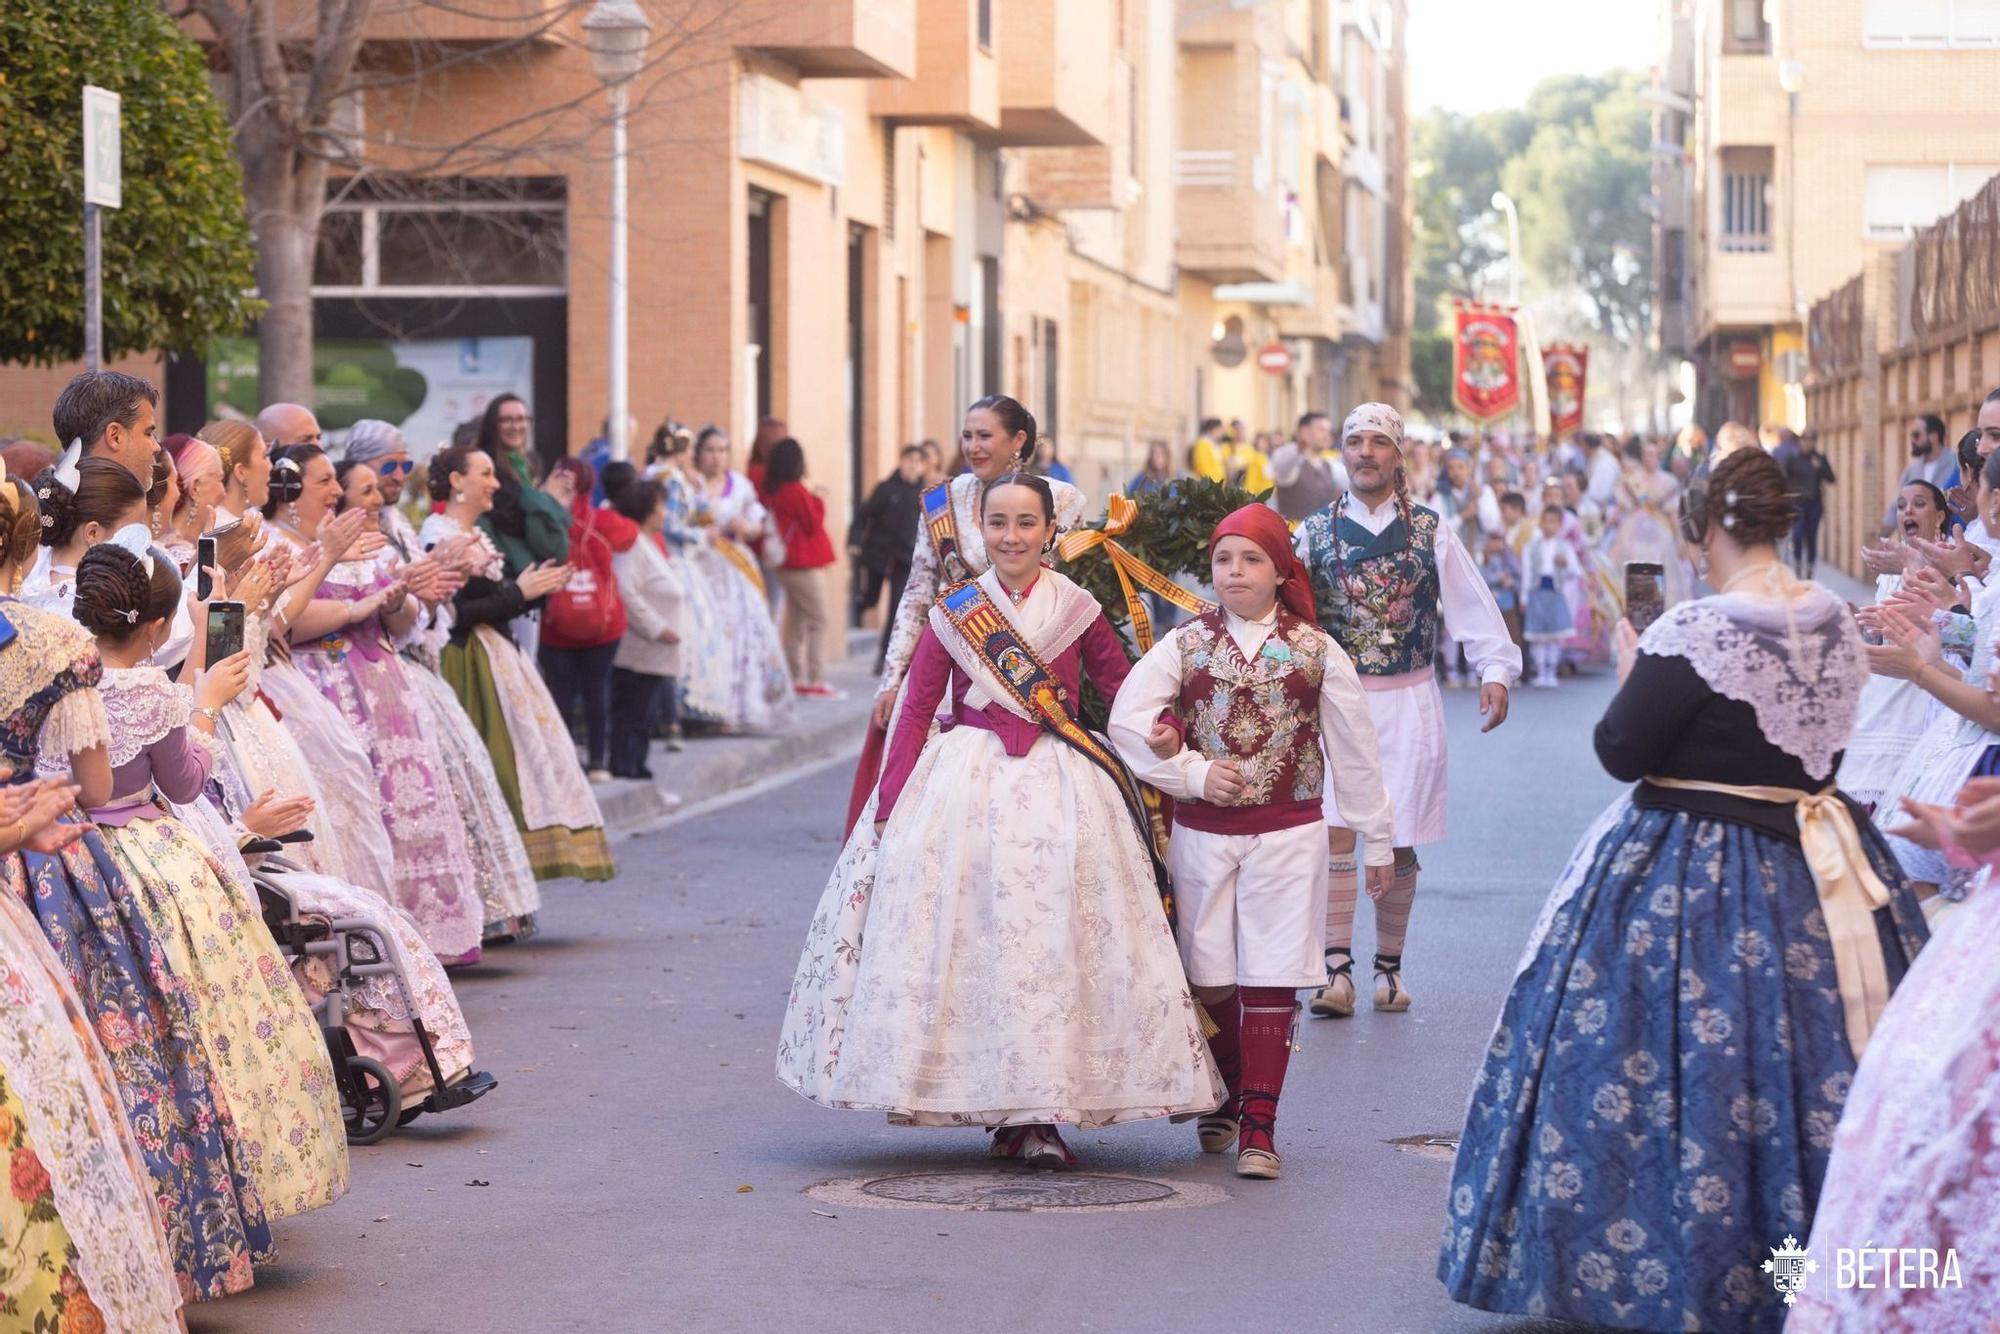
1645 596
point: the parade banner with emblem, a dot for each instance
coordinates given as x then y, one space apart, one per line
1485 362
1566 365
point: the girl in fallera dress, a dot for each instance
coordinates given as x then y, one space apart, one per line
1915 1162
1549 570
263 1042
1017 970
350 838
341 639
732 520
84 1249
534 759
208 1204
508 894
998 436
1659 1096
1894 712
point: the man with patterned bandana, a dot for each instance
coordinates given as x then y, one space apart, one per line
1389 581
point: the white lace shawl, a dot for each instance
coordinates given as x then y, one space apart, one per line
1799 664
1055 616
142 706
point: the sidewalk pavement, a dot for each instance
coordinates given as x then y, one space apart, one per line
713 766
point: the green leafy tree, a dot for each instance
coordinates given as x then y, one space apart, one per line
1579 182
177 256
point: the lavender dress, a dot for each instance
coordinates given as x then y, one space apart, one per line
358 670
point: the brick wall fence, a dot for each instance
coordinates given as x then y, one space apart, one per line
1916 331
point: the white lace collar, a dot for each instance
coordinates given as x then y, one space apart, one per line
1799 665
142 706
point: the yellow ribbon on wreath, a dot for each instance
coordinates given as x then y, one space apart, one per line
1120 513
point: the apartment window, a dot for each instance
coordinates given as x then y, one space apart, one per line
1931 23
986 25
1898 201
1745 200
459 236
1749 32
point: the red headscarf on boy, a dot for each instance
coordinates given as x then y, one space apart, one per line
1261 524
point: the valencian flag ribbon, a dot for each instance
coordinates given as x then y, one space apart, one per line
1035 689
1565 365
1119 515
1485 362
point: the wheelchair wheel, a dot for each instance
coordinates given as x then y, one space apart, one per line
372 1108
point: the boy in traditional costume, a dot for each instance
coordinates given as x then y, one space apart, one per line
1018 972
1271 706
1391 582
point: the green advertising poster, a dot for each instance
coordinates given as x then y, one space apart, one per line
426 386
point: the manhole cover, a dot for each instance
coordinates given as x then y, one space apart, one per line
1013 1192
1442 1147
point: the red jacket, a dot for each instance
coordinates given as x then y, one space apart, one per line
799 518
595 535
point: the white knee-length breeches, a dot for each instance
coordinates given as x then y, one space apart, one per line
1252 907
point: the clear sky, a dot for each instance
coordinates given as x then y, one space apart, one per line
1477 55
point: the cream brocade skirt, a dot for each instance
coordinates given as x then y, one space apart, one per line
1017 967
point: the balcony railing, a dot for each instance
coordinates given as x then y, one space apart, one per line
1744 245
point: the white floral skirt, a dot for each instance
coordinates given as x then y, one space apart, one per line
1017 968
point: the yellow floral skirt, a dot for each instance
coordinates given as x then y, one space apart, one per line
263 1042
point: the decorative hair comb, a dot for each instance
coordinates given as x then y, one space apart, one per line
66 466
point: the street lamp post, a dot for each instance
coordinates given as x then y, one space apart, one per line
1538 385
616 32
1505 203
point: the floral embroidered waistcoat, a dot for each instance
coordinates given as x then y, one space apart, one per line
1261 713
1378 593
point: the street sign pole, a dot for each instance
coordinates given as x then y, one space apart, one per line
101 190
93 288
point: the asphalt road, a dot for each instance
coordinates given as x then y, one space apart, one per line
639 1167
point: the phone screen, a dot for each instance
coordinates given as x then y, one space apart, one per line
204 561
1644 598
225 631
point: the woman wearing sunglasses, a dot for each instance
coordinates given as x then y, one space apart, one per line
381 446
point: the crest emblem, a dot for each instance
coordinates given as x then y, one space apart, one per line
1788 1267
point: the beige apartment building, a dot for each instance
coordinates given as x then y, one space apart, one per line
859 215
1793 140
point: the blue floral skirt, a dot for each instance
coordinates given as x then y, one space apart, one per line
213 1216
1657 1104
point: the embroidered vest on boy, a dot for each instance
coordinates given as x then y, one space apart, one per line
1263 714
1378 594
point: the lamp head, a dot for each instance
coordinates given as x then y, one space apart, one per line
616 32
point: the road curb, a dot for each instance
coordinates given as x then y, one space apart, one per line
717 766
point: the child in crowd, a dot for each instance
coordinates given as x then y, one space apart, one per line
1549 567
1273 710
1514 522
1502 571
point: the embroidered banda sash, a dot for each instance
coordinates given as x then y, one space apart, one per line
996 646
740 558
941 525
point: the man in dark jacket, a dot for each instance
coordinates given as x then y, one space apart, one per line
883 539
1808 472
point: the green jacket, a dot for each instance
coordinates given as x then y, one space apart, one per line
526 523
